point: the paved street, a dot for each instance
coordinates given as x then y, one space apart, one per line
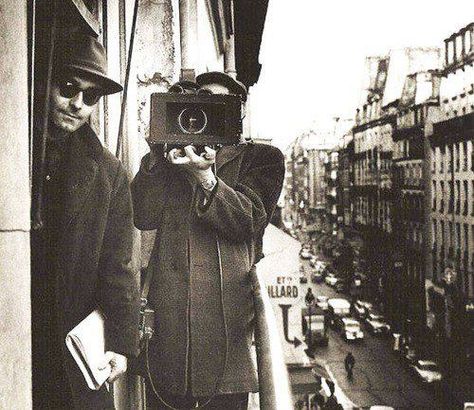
379 377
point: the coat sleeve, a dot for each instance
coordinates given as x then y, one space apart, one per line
149 192
118 286
242 213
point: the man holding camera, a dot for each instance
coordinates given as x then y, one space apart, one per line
210 210
81 256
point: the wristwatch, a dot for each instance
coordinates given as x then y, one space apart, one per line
209 184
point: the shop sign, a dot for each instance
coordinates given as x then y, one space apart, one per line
285 289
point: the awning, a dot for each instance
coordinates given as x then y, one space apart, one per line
249 17
302 381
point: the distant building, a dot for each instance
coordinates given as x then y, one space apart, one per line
373 195
419 99
450 283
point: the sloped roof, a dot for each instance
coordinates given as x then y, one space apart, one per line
404 62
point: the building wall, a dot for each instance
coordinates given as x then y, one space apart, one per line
15 334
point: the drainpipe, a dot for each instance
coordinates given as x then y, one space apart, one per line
229 54
188 39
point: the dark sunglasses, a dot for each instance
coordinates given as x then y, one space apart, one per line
69 89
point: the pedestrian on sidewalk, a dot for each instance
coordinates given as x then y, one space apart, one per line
309 298
349 363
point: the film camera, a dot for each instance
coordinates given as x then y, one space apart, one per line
198 119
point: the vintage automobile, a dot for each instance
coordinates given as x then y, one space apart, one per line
361 308
338 308
322 302
305 254
331 279
314 326
316 276
427 371
349 328
376 324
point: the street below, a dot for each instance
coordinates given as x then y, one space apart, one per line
380 377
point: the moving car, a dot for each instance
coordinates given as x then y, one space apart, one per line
331 279
362 308
338 308
313 322
376 324
322 302
349 328
427 371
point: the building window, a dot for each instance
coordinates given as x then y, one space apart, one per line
442 158
471 199
433 196
441 204
451 197
433 160
449 159
458 197
465 198
466 237
456 154
465 156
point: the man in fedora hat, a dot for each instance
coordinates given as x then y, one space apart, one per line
81 257
210 210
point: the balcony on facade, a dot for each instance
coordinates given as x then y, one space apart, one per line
459 48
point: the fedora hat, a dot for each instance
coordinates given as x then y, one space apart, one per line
217 77
82 54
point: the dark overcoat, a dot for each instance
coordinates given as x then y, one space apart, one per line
92 258
200 263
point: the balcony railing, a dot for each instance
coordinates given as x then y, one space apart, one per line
274 386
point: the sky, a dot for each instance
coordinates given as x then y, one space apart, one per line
313 55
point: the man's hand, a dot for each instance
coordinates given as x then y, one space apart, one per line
117 362
199 166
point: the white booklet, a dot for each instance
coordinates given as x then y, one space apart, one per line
86 342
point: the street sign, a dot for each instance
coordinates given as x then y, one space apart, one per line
285 288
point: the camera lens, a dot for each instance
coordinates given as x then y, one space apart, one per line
192 120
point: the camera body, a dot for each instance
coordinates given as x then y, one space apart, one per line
198 119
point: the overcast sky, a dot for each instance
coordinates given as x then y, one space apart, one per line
313 55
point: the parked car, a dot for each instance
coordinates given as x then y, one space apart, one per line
361 308
314 326
338 308
316 276
322 302
331 279
305 254
376 324
348 328
341 286
408 355
427 371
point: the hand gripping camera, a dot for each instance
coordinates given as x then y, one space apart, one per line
198 119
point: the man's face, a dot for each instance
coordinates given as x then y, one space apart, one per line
73 99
